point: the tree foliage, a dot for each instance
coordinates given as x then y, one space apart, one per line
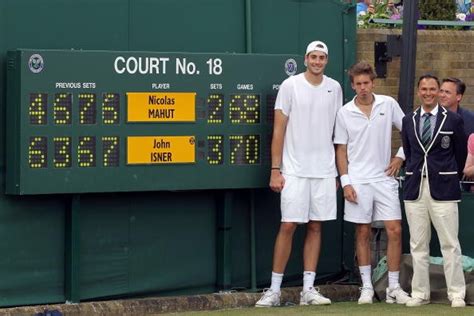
437 10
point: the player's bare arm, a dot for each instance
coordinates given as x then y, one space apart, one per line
342 163
277 181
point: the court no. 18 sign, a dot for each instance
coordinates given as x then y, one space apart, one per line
86 121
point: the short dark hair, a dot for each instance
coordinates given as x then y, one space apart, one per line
362 68
428 76
460 85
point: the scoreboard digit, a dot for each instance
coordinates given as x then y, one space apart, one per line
110 108
87 108
215 108
244 149
111 151
62 108
215 154
134 121
38 109
86 151
38 152
62 152
245 109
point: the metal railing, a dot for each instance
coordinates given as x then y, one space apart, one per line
426 22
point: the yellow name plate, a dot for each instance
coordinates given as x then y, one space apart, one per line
160 150
161 107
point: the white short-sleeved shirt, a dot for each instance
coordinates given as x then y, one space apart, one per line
308 149
368 140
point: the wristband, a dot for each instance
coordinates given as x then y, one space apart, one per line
400 154
275 168
345 180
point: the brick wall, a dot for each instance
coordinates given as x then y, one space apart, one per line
444 53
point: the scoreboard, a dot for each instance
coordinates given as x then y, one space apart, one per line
102 121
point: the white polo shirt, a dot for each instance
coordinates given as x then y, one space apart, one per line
308 149
368 140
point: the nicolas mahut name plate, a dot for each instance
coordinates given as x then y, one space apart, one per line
161 107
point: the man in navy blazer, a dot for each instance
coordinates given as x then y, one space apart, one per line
434 143
450 96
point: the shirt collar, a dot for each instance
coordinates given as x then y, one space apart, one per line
434 111
354 108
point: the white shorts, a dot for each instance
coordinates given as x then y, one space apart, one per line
308 199
376 201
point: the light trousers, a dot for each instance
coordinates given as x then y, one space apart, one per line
445 219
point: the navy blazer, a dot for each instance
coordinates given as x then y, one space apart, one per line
468 120
445 156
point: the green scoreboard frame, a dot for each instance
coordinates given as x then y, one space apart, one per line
101 121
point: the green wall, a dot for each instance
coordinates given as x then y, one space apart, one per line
63 247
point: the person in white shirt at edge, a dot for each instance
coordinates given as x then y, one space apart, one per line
304 168
363 150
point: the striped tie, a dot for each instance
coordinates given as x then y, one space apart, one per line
426 134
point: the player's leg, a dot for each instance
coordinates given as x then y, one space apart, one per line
419 224
445 220
394 292
312 248
323 207
363 234
294 210
360 214
387 208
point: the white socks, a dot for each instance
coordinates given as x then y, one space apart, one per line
365 275
308 280
393 277
365 272
277 278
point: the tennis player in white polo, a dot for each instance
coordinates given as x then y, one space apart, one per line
304 168
363 136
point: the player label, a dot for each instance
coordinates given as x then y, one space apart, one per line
160 149
161 107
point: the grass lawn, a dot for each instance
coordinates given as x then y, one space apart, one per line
345 308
